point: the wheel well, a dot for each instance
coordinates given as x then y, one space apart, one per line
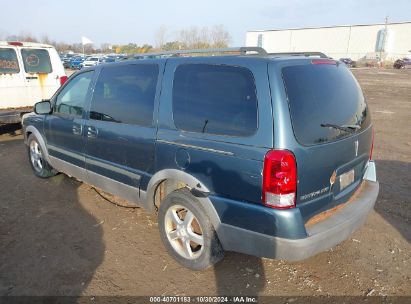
22 113
165 187
28 133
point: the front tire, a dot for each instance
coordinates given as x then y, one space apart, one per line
39 164
187 232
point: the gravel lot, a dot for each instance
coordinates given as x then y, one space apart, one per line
58 237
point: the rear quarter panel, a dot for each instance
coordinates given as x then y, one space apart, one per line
228 166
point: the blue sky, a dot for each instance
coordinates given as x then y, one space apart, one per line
124 21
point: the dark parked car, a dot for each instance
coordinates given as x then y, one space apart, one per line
109 59
66 60
76 63
264 155
402 63
66 63
349 62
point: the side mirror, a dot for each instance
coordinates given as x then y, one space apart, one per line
42 107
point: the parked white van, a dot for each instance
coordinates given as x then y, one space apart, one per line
29 72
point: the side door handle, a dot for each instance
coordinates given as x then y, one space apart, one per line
92 132
77 129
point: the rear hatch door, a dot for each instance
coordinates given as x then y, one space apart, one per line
332 128
41 72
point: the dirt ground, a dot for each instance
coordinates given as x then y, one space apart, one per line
58 237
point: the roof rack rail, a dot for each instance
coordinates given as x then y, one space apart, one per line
242 50
306 54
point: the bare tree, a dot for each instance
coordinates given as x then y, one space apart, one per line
88 49
26 36
173 46
63 47
45 39
3 35
160 38
106 47
188 36
203 38
194 38
220 37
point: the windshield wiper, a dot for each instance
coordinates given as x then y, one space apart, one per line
346 128
205 125
354 127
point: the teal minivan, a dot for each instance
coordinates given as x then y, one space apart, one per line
264 155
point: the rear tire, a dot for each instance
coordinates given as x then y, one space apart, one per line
187 232
39 164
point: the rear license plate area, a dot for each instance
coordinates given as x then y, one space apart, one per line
346 179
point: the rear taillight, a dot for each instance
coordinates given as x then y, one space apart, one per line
279 179
372 144
63 79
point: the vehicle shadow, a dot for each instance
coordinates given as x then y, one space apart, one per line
49 244
239 275
11 129
394 203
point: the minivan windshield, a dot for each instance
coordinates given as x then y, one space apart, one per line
324 99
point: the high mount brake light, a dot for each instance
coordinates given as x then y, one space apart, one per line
15 43
324 61
279 179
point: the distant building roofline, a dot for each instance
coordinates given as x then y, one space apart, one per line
322 27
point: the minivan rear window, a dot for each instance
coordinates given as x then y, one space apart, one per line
36 61
323 94
8 61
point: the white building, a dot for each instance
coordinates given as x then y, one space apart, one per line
390 41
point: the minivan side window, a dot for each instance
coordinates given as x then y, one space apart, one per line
215 99
36 61
8 61
125 94
72 98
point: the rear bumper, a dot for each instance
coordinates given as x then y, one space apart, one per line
320 237
11 116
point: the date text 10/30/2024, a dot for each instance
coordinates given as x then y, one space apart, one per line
203 299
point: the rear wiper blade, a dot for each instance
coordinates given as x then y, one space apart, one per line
346 128
355 127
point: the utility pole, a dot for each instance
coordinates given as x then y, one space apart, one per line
384 38
348 43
